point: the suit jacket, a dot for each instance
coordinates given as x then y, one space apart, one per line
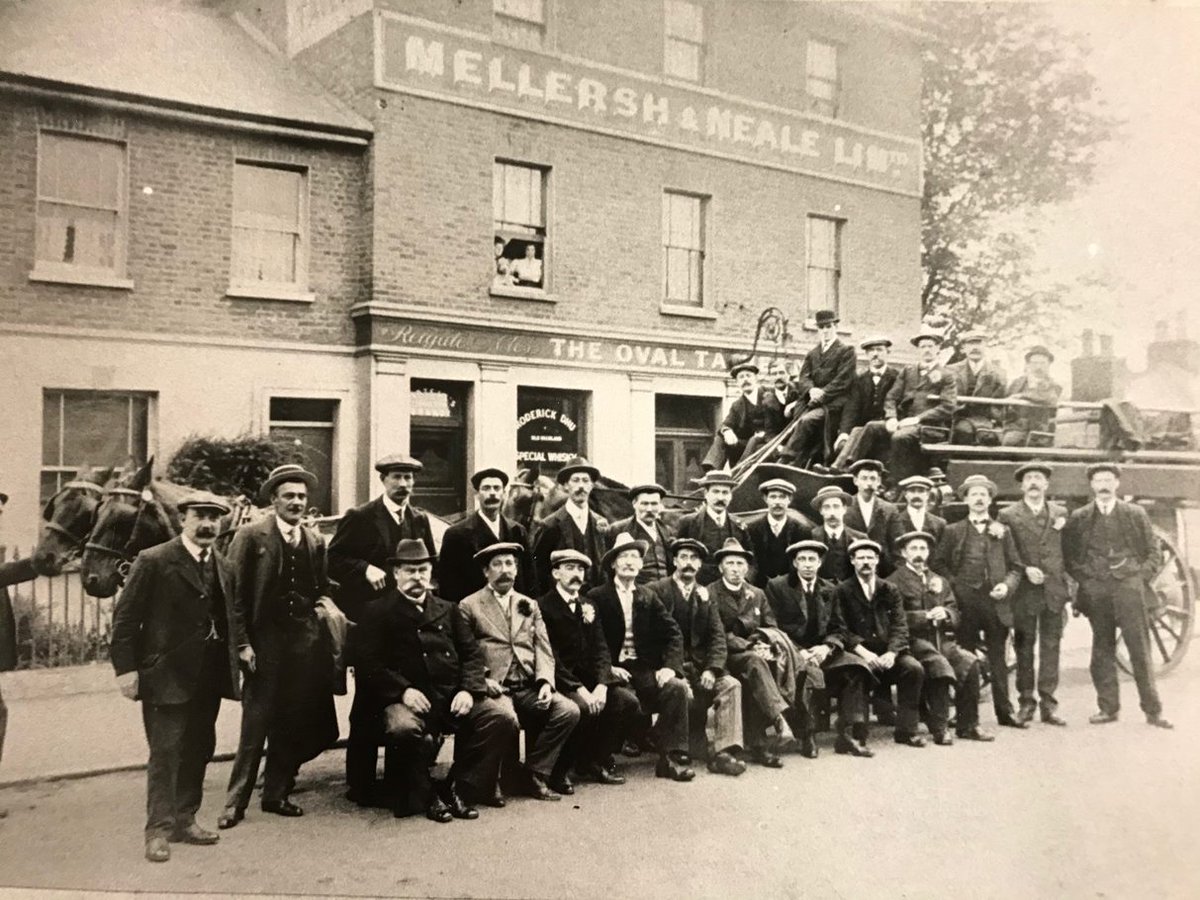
832 370
775 410
14 572
699 624
635 528
919 597
700 526
790 606
581 656
1039 544
877 622
559 532
742 612
990 382
457 572
881 523
745 418
1132 522
835 564
770 552
911 395
864 402
1003 564
364 538
656 635
161 621
498 640
1046 393
902 523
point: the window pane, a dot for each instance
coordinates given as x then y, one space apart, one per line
498 192
268 256
296 409
682 60
822 289
95 429
51 483
821 242
267 194
696 278
685 222
677 275
822 90
51 428
684 20
139 420
516 195
73 234
80 170
822 60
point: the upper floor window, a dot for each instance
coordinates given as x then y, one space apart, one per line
822 83
270 227
824 263
81 207
519 224
91 428
683 40
683 249
520 22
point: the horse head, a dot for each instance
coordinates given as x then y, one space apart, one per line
67 519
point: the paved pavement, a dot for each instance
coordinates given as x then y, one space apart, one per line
1078 812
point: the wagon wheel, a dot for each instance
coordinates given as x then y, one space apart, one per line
1170 611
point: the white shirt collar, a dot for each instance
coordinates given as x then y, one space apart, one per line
193 548
868 587
494 526
731 588
920 575
285 529
721 521
917 516
622 590
578 513
835 534
393 507
683 588
753 396
1106 507
566 598
777 524
975 367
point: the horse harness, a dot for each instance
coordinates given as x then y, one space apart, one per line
123 553
77 540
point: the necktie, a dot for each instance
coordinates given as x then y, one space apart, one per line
203 557
293 537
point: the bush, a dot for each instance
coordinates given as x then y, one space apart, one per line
230 467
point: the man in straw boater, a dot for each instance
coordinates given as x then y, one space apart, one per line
868 513
1111 551
1036 525
915 514
745 425
980 558
583 673
803 606
711 524
932 617
923 397
646 525
868 620
177 642
421 676
772 532
520 666
768 681
573 526
645 648
864 404
715 713
279 573
830 503
823 385
457 574
358 561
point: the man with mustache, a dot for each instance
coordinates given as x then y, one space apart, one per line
457 574
1110 549
583 671
923 396
177 642
864 405
287 699
711 524
775 530
915 514
1036 386
977 376
520 667
646 525
823 384
830 504
868 512
574 526
745 425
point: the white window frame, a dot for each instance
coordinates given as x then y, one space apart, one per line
668 304
297 290
526 232
823 105
670 39
505 12
65 470
812 303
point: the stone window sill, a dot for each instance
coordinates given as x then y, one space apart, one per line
82 277
689 312
519 293
268 292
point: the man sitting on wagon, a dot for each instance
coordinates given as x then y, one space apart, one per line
823 385
745 425
977 376
864 404
1035 386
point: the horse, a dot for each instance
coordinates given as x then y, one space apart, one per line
68 517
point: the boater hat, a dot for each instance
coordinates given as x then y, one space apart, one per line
484 556
283 474
904 539
623 541
715 477
203 500
1042 467
746 366
876 341
977 481
558 557
828 492
777 484
409 551
576 464
817 546
733 547
915 481
477 478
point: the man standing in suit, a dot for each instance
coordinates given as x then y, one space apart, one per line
980 558
646 653
868 513
645 524
715 712
864 404
177 641
358 555
573 526
915 516
803 606
1035 386
924 396
830 504
977 376
775 530
745 424
1110 549
421 676
14 571
520 665
823 384
868 620
287 699
584 674
933 615
711 524
457 574
1036 525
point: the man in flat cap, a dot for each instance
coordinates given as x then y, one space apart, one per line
646 653
457 574
711 524
868 620
745 424
177 643
932 617
573 526
421 676
830 503
287 699
977 376
520 666
1110 549
1036 387
1036 525
823 385
868 513
583 671
358 553
864 404
915 514
980 558
715 712
923 397
772 532
646 525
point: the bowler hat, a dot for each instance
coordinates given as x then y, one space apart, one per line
828 492
869 464
826 317
203 500
400 462
484 556
283 474
576 464
1039 349
1042 467
558 557
777 484
634 492
410 551
915 481
864 544
477 478
715 477
733 547
977 481
745 366
902 541
817 547
1103 467
622 542
923 334
876 341
688 544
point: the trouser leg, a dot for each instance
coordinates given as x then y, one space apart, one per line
808 439
906 456
362 746
199 742
909 677
716 455
1025 632
670 701
1129 606
480 741
581 740
720 711
256 706
996 634
408 747
550 728
165 725
875 443
849 685
1014 437
850 449
1050 630
763 702
967 684
1104 654
620 711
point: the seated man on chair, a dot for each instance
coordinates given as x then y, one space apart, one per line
864 404
1035 386
918 408
977 376
745 425
823 386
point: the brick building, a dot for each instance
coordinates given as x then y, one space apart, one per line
491 232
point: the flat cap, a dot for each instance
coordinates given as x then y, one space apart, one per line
558 557
817 547
637 490
875 341
777 484
484 556
1039 350
973 334
1042 467
1103 467
688 544
934 336
746 366
204 500
873 465
864 544
491 472
401 462
915 481
903 540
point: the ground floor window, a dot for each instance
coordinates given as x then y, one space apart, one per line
683 430
438 438
310 427
550 428
91 428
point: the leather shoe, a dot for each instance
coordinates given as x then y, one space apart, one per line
282 808
725 763
438 811
538 789
602 775
158 850
1010 722
845 744
667 768
194 834
1102 718
630 749
943 738
562 786
766 758
458 808
229 817
808 747
909 740
1053 719
1025 714
1158 722
975 733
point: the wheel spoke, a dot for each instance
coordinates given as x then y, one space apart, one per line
1161 646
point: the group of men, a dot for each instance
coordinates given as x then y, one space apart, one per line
716 642
885 413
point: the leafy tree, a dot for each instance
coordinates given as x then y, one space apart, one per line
229 466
